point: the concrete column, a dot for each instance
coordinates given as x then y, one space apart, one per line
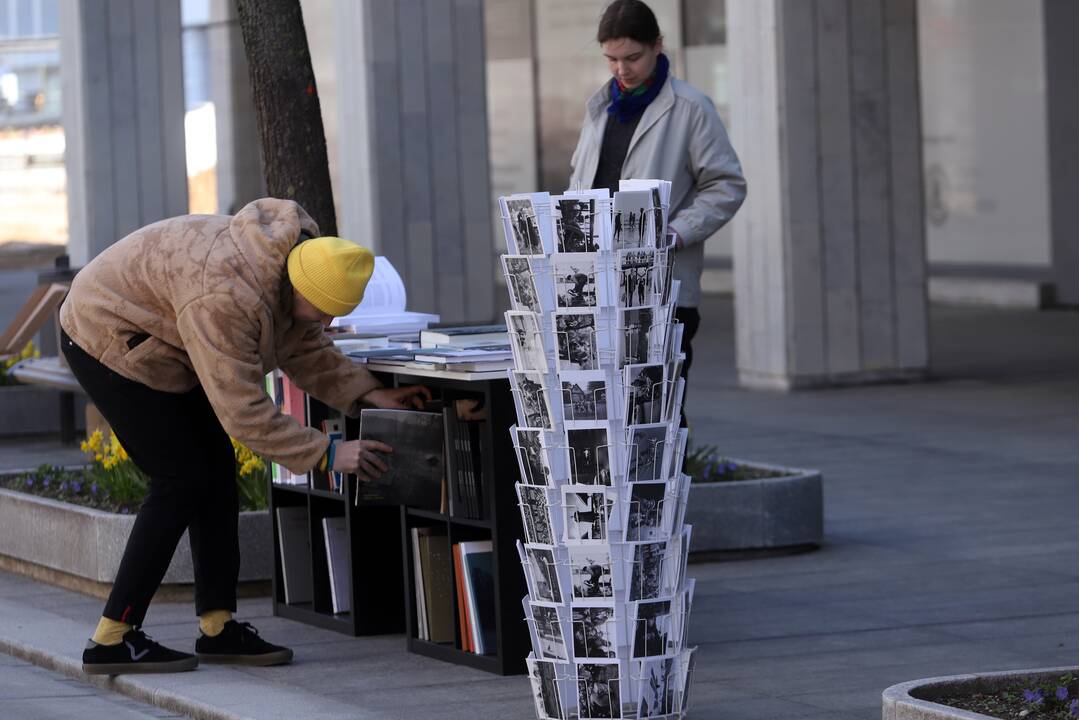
123 111
829 249
409 118
1062 114
239 163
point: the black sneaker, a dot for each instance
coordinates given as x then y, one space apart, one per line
239 644
136 653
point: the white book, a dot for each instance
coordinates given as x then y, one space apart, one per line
417 573
338 557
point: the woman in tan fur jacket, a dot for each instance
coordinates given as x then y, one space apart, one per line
171 331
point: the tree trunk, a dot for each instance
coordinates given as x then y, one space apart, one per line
287 107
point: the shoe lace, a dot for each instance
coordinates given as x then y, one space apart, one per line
247 628
145 637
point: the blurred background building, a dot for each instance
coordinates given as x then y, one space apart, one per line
954 121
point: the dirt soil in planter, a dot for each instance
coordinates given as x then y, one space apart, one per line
1048 701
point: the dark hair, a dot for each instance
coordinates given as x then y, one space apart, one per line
628 19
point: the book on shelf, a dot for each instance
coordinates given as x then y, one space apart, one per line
334 428
463 463
294 539
436 586
416 466
464 624
464 336
417 579
477 560
338 560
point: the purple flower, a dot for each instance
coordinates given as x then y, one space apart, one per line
63 486
1034 697
1074 707
76 486
1062 693
93 489
29 482
45 481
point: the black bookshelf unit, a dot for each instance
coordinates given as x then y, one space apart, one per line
387 567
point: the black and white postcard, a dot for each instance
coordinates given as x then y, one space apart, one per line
636 278
544 677
536 514
591 572
549 631
599 693
577 224
531 456
542 572
653 627
523 223
575 280
646 392
588 514
526 339
595 632
638 331
532 399
521 283
647 578
647 452
657 688
584 397
688 663
577 335
647 504
633 220
589 455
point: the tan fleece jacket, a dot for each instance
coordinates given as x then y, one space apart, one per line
212 293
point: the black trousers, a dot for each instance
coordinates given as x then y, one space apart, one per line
690 317
177 440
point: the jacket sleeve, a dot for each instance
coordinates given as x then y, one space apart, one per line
222 342
321 370
719 184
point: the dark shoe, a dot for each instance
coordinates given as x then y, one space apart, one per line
239 644
137 653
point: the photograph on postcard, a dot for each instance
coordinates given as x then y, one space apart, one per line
576 226
657 688
536 514
549 632
576 335
587 514
543 572
647 578
653 624
598 692
521 283
595 632
636 277
527 341
590 456
647 502
545 689
575 280
591 572
633 220
531 457
645 389
636 335
647 450
533 400
584 396
524 225
689 663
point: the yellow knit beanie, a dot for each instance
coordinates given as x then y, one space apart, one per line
331 273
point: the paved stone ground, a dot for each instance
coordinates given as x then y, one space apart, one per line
951 543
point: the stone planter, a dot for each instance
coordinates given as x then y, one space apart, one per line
768 513
33 410
84 543
915 700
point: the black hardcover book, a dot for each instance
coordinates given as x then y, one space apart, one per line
416 465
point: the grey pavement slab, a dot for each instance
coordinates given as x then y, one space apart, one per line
950 546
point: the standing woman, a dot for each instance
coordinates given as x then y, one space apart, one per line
645 123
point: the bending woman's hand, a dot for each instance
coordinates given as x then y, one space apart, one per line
411 397
361 458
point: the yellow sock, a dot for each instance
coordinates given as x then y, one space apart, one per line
212 622
110 632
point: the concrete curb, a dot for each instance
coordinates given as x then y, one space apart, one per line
914 700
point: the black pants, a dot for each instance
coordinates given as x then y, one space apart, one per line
690 317
177 440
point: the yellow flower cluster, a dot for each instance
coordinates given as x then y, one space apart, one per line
108 454
27 352
247 460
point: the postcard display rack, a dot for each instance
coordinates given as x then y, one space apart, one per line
602 495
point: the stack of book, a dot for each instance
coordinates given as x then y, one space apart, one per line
473 348
598 392
460 576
